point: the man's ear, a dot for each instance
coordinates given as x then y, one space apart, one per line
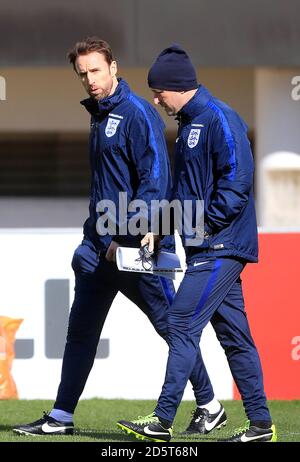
113 68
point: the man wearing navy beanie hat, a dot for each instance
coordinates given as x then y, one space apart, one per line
213 167
173 71
173 77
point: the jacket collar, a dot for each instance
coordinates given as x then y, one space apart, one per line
195 105
107 104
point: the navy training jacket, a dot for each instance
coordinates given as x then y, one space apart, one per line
128 153
214 163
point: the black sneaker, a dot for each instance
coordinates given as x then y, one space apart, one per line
147 428
203 422
45 426
252 434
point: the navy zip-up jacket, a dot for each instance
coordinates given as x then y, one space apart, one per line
214 163
128 153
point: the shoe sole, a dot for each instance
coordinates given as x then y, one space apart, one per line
24 432
218 427
138 436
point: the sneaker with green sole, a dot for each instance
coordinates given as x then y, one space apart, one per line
147 428
251 434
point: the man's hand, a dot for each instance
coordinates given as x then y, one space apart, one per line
111 251
150 239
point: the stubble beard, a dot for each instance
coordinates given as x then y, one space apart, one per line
105 92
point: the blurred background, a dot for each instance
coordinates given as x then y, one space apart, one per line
246 53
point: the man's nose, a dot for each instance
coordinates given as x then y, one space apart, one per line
90 79
156 100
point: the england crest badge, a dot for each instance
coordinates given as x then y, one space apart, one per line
111 127
193 137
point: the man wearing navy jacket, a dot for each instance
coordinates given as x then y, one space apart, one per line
213 164
128 155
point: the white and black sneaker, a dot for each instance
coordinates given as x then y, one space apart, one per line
203 422
45 426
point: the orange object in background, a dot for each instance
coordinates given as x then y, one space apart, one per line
272 298
8 329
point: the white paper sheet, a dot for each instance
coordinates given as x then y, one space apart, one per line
166 264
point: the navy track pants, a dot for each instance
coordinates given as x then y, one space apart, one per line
97 282
211 290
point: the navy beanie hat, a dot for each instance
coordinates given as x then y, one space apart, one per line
173 71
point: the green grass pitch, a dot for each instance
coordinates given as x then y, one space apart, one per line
95 420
